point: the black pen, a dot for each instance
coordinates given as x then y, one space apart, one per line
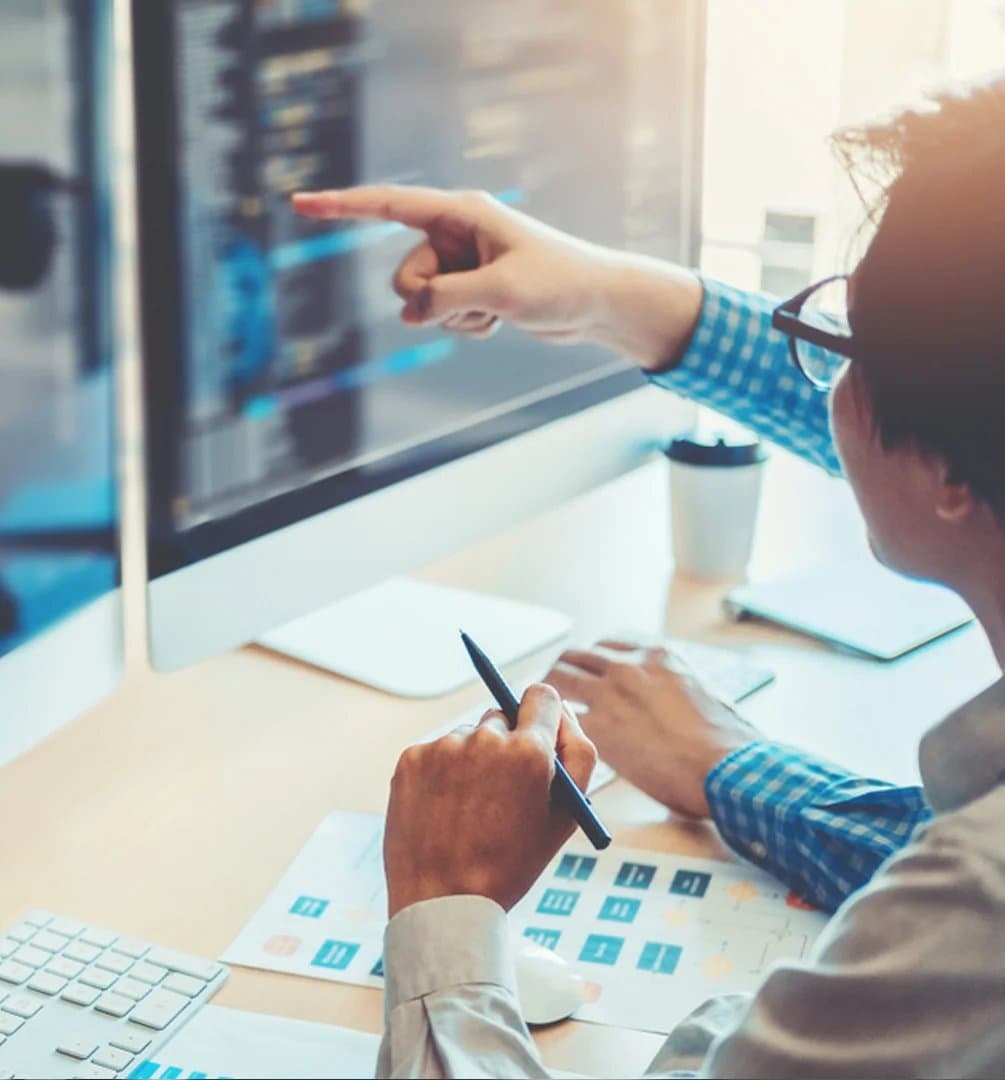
578 803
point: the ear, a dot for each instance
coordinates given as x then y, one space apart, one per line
954 500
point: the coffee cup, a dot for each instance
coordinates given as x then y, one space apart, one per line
715 491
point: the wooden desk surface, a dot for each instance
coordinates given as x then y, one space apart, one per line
171 809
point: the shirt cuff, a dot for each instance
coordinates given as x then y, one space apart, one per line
446 942
821 829
733 329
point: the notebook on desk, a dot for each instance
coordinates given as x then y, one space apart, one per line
855 604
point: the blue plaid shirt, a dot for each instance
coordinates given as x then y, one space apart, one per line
821 830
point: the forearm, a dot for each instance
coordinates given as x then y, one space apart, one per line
645 308
821 830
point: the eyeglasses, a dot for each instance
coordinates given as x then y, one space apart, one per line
816 321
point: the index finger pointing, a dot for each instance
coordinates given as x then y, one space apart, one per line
416 207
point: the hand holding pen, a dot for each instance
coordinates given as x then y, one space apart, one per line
475 813
563 786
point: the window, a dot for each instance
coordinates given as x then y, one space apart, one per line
782 74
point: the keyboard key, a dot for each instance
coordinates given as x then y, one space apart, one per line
131 947
81 952
114 1004
8 946
114 961
93 1072
22 1005
31 956
46 939
66 927
101 938
9 1024
187 965
13 972
112 1059
99 978
133 988
148 973
158 1009
38 918
81 1049
47 984
66 969
184 984
22 932
80 995
133 1041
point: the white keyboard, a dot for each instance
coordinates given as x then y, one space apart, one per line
726 671
76 1000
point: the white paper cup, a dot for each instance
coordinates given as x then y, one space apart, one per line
715 492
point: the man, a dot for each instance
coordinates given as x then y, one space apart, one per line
909 977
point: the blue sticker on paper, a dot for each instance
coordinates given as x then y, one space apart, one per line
659 958
635 875
690 883
547 938
599 949
337 955
576 867
311 907
558 902
620 909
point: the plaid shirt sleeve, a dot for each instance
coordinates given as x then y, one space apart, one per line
821 830
737 364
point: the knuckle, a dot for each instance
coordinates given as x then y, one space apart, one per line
625 676
408 761
478 198
485 735
589 751
530 751
657 658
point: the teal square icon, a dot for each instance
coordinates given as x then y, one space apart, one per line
576 867
337 955
558 902
548 938
600 949
311 907
635 875
621 909
690 883
659 958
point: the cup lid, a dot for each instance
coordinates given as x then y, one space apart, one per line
716 449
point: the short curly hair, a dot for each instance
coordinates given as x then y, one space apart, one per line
929 301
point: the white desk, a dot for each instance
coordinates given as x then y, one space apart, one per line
170 810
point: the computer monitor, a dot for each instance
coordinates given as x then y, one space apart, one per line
60 623
302 444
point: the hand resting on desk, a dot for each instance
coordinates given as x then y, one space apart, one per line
651 719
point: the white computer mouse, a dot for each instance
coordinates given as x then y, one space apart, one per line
548 988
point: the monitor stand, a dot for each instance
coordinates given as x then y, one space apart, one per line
403 636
